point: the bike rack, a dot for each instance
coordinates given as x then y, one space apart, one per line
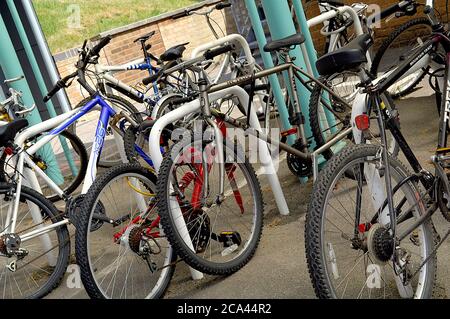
192 107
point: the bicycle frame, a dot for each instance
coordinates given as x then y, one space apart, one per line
418 59
56 125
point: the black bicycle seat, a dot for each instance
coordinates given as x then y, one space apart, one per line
174 53
285 43
145 37
347 58
8 132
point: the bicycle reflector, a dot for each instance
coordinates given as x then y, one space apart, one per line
362 122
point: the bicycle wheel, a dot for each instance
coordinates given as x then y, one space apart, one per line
33 267
110 155
64 160
348 247
397 48
224 231
132 137
124 254
344 85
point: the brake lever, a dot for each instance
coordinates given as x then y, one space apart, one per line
25 111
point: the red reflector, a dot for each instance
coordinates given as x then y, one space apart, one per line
364 227
362 122
9 151
289 132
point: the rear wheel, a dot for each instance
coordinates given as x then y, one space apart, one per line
344 85
64 160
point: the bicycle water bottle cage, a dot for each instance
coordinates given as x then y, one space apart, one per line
347 58
8 132
174 53
284 43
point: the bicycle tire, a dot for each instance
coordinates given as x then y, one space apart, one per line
83 229
315 254
387 43
79 148
315 120
132 136
170 227
47 210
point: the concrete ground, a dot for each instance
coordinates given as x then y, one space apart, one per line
278 270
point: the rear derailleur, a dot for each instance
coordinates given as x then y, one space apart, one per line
10 247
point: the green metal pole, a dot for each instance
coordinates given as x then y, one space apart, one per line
268 62
11 67
281 24
43 89
312 54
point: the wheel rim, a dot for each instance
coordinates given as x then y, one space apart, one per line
357 285
118 271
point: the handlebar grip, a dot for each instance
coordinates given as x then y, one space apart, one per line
60 84
211 54
185 13
223 5
103 42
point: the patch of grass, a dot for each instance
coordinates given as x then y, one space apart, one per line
66 23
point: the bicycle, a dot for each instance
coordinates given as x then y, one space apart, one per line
189 199
382 236
18 228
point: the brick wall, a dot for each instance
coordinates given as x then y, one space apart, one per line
169 32
192 29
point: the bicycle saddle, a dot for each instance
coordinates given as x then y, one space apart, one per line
145 37
8 132
347 58
287 42
174 53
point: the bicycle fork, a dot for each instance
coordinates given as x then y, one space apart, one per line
218 137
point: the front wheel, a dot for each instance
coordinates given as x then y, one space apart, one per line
349 248
120 247
222 230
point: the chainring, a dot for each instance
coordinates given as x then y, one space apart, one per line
298 166
199 230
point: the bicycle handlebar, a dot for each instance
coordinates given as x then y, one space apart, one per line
211 54
223 5
185 13
81 66
59 85
208 55
96 50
